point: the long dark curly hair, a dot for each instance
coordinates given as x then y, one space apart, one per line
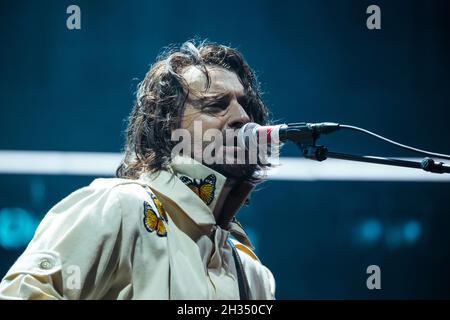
161 98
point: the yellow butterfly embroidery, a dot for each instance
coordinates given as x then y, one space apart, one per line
160 208
204 189
155 221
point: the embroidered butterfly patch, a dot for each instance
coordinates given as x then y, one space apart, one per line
154 221
204 188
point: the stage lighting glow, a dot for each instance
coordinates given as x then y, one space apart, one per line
294 169
412 231
371 231
17 228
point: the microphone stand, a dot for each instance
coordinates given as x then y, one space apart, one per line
320 153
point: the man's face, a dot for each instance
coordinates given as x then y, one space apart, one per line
226 113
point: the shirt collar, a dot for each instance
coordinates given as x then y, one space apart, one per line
207 197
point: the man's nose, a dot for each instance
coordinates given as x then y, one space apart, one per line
238 116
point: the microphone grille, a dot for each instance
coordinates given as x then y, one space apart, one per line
248 135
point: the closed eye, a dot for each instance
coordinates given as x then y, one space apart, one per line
218 104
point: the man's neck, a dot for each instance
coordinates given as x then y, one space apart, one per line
229 194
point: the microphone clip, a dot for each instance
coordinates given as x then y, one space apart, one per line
314 152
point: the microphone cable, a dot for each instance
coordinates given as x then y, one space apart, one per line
403 146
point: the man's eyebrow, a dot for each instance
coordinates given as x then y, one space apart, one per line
220 99
229 95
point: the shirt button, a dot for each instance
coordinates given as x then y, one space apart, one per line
45 264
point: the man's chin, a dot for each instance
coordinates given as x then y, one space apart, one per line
236 171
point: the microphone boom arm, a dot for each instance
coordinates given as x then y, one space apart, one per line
321 153
305 135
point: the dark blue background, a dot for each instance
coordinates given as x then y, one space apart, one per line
71 91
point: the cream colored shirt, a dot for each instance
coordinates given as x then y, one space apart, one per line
151 238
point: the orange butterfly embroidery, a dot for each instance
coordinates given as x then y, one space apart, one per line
154 221
204 189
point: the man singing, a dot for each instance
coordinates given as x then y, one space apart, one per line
165 228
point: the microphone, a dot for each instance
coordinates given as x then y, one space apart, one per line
253 134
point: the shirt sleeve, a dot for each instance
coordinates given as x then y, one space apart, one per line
74 251
270 285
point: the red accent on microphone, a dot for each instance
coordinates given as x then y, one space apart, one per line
269 135
267 131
